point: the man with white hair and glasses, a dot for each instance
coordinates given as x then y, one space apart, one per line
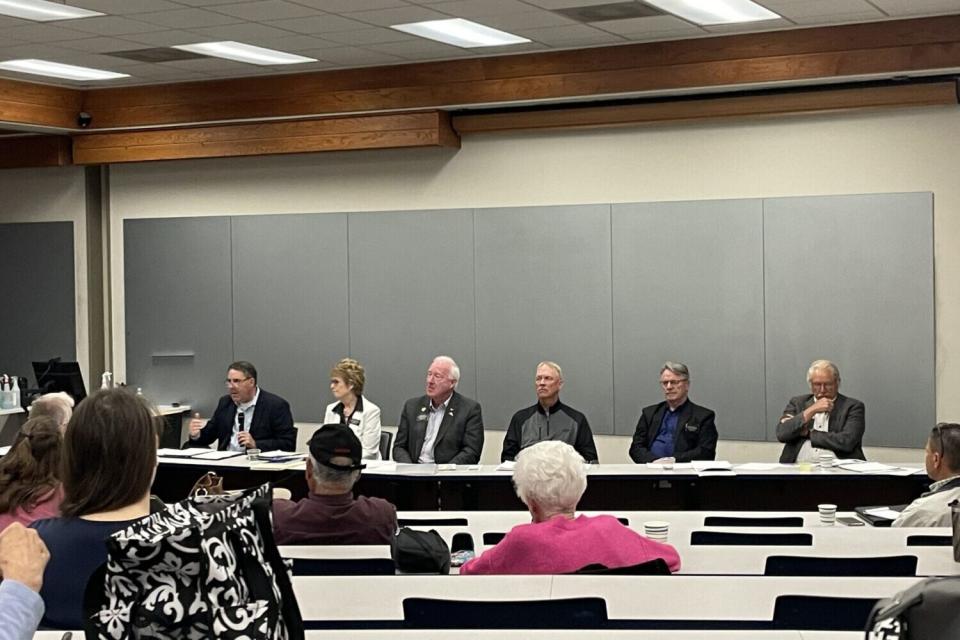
942 460
441 427
822 420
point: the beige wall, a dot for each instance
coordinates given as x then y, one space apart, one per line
909 150
54 195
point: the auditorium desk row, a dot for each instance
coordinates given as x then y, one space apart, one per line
614 486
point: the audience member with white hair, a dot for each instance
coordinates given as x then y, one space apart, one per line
550 478
330 514
58 405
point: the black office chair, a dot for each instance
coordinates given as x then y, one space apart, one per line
764 539
344 567
655 567
432 522
571 613
851 567
929 541
822 613
745 521
493 537
386 444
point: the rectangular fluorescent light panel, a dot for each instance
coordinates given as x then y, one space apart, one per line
243 53
709 12
460 33
58 70
43 11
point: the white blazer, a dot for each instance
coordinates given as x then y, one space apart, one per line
365 423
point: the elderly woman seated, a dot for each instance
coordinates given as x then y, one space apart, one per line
550 478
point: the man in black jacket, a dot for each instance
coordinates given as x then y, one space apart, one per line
675 429
248 417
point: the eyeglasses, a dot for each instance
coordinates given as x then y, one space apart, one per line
672 383
232 382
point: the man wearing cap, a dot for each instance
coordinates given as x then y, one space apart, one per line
330 514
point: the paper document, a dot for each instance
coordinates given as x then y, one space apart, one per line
273 465
711 465
217 455
868 467
506 465
380 465
179 453
883 512
757 466
715 472
281 455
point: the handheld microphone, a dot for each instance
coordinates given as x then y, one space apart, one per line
240 419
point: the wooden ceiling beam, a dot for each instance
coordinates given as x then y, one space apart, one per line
762 105
405 130
18 152
925 45
41 105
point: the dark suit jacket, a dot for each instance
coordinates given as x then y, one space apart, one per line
272 425
844 434
459 440
695 439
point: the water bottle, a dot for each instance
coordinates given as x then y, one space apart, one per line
15 394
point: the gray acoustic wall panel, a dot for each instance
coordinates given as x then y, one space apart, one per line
543 293
688 286
850 278
290 303
36 268
179 320
411 298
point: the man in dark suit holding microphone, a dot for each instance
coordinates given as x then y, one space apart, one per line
248 417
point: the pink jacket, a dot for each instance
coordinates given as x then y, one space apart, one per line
560 545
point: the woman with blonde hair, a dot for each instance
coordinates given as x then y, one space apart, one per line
347 379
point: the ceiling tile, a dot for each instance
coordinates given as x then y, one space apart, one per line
749 27
319 24
420 49
188 18
40 33
792 10
340 6
653 25
167 38
243 32
402 15
205 3
839 18
205 64
566 4
99 45
266 10
294 42
572 36
354 56
903 8
368 36
481 8
111 26
527 20
123 7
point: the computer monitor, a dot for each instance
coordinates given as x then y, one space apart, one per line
54 375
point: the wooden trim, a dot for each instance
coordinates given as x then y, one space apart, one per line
430 129
34 151
817 54
910 95
39 105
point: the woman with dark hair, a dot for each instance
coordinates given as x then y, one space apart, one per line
29 484
108 463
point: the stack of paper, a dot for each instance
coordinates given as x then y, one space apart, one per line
281 456
179 453
713 468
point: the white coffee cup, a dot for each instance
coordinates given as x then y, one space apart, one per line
828 514
827 459
658 530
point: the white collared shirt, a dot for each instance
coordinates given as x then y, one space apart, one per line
247 408
433 428
808 452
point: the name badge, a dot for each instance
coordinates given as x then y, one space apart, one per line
354 420
693 428
422 417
